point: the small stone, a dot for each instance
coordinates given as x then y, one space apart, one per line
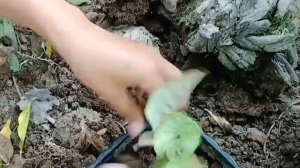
256 135
23 39
298 134
220 141
101 17
6 108
91 16
184 51
102 131
238 129
288 149
23 48
86 8
70 99
74 87
9 83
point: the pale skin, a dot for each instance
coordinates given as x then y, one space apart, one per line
104 62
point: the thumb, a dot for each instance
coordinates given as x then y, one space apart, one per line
129 109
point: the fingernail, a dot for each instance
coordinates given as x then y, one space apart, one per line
113 165
135 128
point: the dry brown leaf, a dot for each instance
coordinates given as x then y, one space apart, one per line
16 161
4 53
222 122
6 149
91 137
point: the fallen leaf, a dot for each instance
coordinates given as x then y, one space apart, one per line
42 103
4 53
222 122
23 124
16 161
14 63
6 131
7 30
138 34
6 149
78 2
91 137
48 49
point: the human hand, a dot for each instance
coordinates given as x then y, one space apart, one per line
121 72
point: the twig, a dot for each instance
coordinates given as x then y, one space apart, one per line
123 128
38 58
269 132
267 136
17 87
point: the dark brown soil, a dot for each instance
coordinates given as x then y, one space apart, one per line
267 131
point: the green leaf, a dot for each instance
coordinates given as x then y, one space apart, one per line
172 97
160 163
178 136
190 162
78 2
7 29
14 63
23 124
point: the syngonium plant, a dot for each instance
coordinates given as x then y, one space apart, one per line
242 31
175 136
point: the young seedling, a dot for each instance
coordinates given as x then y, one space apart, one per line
174 136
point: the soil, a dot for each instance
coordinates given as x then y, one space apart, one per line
267 131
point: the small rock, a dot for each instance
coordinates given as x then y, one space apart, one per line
86 8
92 16
256 135
70 99
74 87
9 83
23 48
101 17
288 149
297 134
238 129
6 108
16 161
220 141
102 131
23 39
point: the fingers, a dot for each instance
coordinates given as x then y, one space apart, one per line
129 109
113 165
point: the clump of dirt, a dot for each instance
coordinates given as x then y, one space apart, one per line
265 130
115 13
